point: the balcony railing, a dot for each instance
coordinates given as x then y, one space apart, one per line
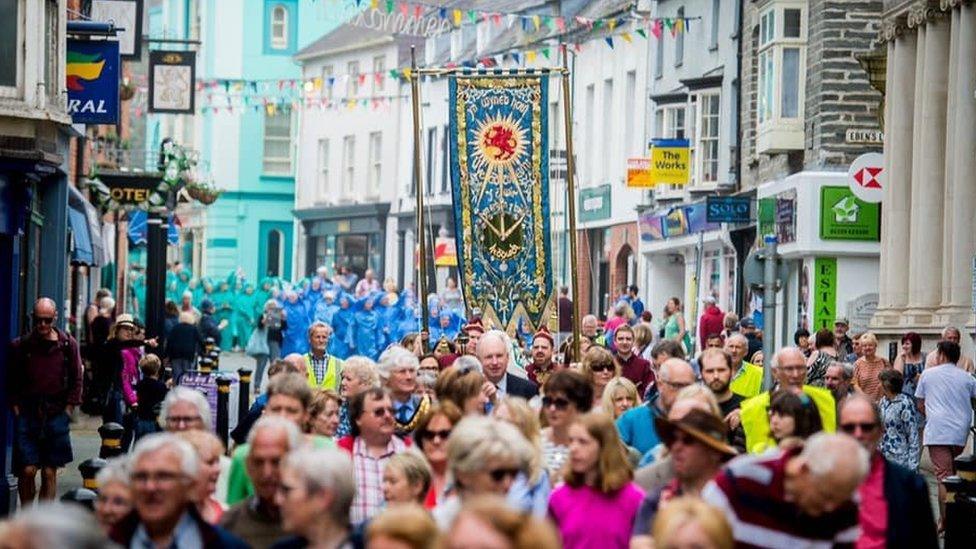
117 157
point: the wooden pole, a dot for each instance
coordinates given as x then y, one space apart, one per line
419 188
571 205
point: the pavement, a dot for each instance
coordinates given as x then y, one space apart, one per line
85 441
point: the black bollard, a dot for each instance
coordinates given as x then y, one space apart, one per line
82 496
215 357
111 434
961 504
206 365
89 470
243 394
208 345
223 414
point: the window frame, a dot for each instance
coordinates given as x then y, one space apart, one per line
379 73
679 41
352 86
323 173
348 165
375 174
16 91
328 71
278 42
702 140
265 159
775 130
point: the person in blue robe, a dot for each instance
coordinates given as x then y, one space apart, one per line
326 308
447 324
367 331
342 343
408 320
312 297
295 338
389 314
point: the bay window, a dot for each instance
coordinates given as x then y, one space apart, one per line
781 57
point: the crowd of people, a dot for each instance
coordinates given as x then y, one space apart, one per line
489 441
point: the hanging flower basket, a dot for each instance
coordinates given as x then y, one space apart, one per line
127 91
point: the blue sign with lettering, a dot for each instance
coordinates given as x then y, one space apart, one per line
728 209
93 81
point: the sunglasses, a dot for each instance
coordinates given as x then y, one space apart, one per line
44 320
684 439
442 434
851 428
597 368
380 412
559 403
501 474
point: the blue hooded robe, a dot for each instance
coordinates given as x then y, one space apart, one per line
342 344
367 330
295 338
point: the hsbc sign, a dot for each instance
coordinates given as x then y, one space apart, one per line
867 177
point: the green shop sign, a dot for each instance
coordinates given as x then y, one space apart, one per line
594 203
843 216
824 292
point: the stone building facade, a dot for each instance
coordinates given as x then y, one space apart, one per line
926 280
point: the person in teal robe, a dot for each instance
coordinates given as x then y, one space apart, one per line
137 293
206 291
245 320
182 283
223 299
171 287
263 293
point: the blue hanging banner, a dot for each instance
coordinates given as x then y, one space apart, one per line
93 81
500 180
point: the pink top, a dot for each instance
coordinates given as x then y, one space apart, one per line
613 324
873 512
130 373
577 510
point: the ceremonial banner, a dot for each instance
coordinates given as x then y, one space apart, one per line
500 180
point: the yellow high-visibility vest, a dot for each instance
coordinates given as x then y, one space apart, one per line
755 417
333 373
748 381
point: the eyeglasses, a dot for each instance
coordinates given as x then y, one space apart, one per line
159 477
793 369
182 420
597 368
851 428
43 320
442 434
380 412
501 474
559 403
677 386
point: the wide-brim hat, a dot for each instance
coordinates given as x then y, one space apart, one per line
122 321
705 427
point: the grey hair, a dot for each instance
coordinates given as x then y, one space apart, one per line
665 373
739 337
149 444
363 368
116 470
497 335
846 369
396 357
469 362
827 453
477 439
316 325
194 397
779 354
326 469
55 524
291 431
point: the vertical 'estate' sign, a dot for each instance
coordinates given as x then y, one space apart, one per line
824 292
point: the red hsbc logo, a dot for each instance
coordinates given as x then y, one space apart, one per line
868 178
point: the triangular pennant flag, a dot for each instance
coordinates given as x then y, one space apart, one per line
686 25
676 29
578 47
418 11
510 19
536 22
374 4
626 37
669 23
612 24
561 24
496 18
389 6
457 18
442 13
609 41
407 73
530 56
550 23
641 33
656 29
473 16
545 53
404 9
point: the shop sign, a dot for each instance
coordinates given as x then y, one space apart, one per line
126 15
777 215
639 173
670 161
128 190
863 136
651 227
172 77
728 209
866 177
445 252
824 292
93 81
843 216
678 221
594 203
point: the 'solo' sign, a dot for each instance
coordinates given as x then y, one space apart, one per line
670 161
93 81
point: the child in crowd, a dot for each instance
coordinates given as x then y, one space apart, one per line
150 392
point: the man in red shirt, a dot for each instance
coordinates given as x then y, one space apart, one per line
712 320
542 365
632 366
890 493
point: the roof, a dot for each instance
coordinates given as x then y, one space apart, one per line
343 37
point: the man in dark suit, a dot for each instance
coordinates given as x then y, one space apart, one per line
901 493
493 352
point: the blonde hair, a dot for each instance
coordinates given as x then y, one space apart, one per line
597 354
521 415
613 467
868 337
614 386
150 365
684 511
477 439
202 442
457 384
703 394
407 523
415 469
642 336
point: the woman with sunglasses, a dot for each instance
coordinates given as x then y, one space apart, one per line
431 437
530 491
485 455
599 368
598 490
567 395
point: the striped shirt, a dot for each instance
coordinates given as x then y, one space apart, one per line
368 471
749 491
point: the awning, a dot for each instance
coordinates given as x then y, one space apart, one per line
83 220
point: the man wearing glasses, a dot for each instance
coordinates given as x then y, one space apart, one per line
790 373
45 386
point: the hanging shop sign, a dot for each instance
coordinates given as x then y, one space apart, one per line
171 81
126 15
675 222
639 173
777 215
445 252
866 177
824 292
93 81
670 161
843 216
728 209
594 203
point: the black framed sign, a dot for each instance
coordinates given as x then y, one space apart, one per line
172 76
127 15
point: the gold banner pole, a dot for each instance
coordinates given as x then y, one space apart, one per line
571 205
419 189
